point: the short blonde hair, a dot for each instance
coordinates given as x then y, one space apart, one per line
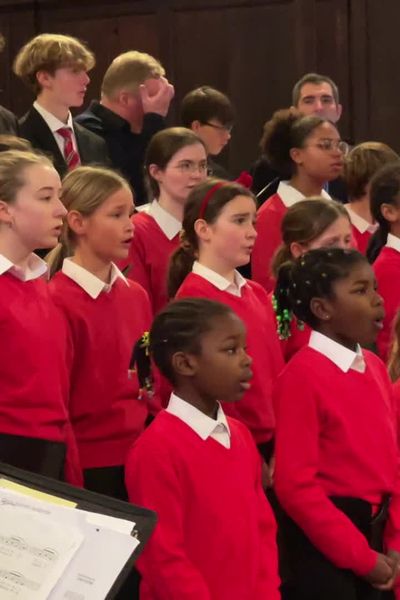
129 70
13 164
84 189
49 52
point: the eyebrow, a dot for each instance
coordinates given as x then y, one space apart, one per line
243 214
46 187
312 96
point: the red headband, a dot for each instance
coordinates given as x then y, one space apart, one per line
208 197
244 179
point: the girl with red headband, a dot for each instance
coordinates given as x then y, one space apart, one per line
217 237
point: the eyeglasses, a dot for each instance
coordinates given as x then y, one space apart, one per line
226 128
328 145
190 167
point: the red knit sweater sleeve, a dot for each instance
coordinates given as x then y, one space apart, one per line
268 240
137 257
305 501
268 581
151 481
392 531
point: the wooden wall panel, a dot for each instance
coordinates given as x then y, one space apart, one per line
383 72
254 50
253 65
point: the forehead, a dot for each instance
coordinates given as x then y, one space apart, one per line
239 204
339 225
224 326
325 131
361 271
121 196
315 90
193 152
38 176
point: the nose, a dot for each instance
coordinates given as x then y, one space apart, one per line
247 360
60 210
86 78
252 231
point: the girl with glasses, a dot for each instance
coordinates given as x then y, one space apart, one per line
176 161
307 152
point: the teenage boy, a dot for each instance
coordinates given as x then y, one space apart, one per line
135 99
56 68
210 114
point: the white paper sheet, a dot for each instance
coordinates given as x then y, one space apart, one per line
100 558
34 553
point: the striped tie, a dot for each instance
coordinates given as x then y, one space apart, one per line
71 156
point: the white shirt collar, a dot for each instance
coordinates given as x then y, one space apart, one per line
343 358
220 282
393 242
201 424
166 222
51 120
91 284
35 268
360 223
290 196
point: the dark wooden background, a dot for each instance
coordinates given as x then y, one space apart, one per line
254 50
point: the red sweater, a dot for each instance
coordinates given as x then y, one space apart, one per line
269 238
387 273
33 376
105 411
254 308
361 239
336 436
149 256
215 537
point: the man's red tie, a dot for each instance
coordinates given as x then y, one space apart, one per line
71 156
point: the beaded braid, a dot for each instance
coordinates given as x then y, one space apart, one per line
308 277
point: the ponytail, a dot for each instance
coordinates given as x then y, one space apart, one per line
282 255
55 257
377 242
180 265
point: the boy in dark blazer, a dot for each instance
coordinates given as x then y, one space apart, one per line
55 67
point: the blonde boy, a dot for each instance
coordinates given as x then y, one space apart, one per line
56 68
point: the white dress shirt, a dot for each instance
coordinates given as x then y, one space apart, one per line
343 357
35 268
91 284
204 426
220 282
290 196
53 123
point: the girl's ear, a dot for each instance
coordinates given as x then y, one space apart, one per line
390 213
184 364
296 154
321 309
296 249
202 230
155 172
76 222
5 213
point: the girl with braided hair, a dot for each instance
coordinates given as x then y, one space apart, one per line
336 437
312 223
217 237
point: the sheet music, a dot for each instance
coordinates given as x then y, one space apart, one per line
98 561
34 553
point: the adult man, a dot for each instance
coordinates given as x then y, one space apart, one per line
135 98
313 94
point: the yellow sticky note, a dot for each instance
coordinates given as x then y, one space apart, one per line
27 491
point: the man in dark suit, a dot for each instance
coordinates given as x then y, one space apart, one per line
55 67
313 94
135 98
